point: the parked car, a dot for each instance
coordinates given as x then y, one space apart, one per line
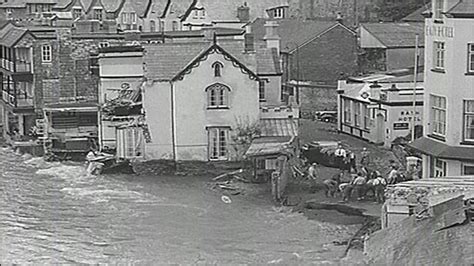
321 152
327 116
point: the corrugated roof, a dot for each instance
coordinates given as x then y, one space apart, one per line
464 8
393 34
292 32
268 146
279 127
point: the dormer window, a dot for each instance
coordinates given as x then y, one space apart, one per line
217 69
279 12
76 12
98 14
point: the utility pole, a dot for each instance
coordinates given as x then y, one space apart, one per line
415 73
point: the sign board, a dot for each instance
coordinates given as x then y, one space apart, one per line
401 126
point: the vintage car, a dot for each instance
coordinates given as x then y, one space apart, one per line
320 152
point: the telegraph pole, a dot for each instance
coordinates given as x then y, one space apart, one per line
414 89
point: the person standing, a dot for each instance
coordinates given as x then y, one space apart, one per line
365 158
393 175
340 155
352 161
359 185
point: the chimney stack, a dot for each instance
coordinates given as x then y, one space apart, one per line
271 38
243 13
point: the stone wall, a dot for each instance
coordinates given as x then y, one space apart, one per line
317 98
445 238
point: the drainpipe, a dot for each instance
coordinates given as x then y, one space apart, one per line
173 122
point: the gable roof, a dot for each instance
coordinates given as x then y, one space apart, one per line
394 34
463 9
10 35
112 5
138 6
180 8
292 32
417 15
226 10
157 7
171 61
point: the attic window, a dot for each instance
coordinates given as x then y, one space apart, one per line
217 69
98 13
76 13
278 12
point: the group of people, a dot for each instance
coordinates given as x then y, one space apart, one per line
357 180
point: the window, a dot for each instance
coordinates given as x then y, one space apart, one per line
467 169
217 69
438 115
439 168
218 142
98 13
124 18
103 44
162 26
46 53
133 17
76 13
366 117
217 96
175 25
261 91
439 48
357 114
152 26
347 111
470 58
438 9
279 12
469 120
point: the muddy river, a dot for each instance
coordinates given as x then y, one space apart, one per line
55 213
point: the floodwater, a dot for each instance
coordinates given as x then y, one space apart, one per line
55 213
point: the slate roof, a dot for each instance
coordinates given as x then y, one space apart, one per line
428 146
165 61
114 5
157 7
221 10
139 6
464 8
394 34
279 127
268 61
10 35
179 7
292 32
417 15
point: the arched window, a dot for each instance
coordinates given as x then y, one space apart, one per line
152 26
218 96
217 68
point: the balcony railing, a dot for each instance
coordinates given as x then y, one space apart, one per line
23 67
21 100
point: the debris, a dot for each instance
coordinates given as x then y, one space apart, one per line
226 199
227 174
241 179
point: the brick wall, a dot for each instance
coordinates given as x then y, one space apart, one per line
68 78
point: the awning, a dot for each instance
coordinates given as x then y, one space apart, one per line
269 146
435 148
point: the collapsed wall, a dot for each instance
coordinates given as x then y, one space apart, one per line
443 235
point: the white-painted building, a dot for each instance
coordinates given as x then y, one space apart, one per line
448 141
379 108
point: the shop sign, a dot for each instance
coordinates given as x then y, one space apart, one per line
401 126
407 116
440 31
